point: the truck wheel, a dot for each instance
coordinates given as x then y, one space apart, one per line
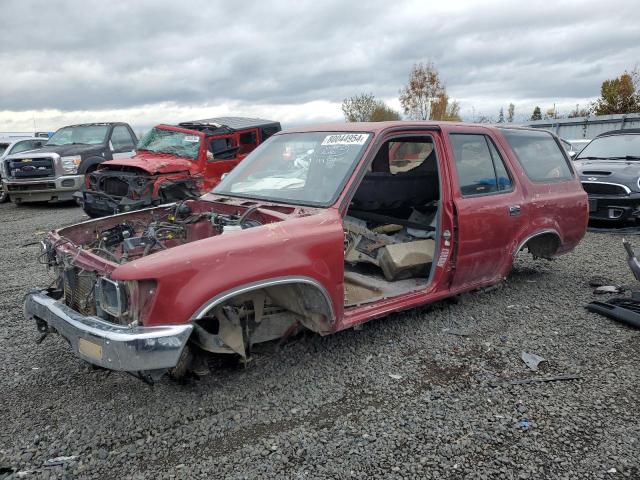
4 196
184 363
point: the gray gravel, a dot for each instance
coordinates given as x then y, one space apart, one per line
417 394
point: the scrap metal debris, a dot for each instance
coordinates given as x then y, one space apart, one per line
53 462
532 360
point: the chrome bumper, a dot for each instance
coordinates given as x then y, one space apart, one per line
116 347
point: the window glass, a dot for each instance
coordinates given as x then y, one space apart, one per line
539 154
181 144
80 134
223 148
121 138
407 155
23 146
474 164
502 176
3 147
309 168
613 147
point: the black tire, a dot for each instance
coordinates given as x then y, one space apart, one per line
4 196
179 372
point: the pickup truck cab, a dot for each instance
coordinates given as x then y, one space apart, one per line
57 169
173 163
321 228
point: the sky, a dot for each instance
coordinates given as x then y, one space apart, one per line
150 62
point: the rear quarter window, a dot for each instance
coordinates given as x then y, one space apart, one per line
539 154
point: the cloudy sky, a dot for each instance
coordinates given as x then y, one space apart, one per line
148 62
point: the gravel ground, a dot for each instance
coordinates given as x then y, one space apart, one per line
417 394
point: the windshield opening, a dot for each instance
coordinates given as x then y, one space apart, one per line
81 135
612 146
301 168
173 143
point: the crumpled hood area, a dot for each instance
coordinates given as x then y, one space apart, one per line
153 163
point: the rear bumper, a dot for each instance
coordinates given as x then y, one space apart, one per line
43 189
116 347
612 208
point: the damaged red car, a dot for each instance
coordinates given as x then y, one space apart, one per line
173 163
320 229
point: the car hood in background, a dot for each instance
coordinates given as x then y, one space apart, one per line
623 172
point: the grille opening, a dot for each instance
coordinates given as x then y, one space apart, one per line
596 172
604 189
115 186
31 168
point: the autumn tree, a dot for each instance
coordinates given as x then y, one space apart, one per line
537 114
443 109
618 95
366 108
511 112
382 113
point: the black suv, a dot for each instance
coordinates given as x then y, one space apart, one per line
55 171
609 168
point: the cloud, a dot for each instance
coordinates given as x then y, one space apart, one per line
296 61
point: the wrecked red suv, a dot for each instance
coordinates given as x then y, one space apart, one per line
173 163
321 229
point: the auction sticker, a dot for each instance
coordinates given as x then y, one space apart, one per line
191 138
346 139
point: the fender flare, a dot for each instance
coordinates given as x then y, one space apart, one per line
536 234
266 283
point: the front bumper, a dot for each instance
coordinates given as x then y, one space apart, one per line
56 189
116 347
100 204
614 208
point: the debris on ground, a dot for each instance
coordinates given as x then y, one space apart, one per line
604 289
532 360
52 462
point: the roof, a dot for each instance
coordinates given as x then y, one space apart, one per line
377 127
620 132
232 123
93 124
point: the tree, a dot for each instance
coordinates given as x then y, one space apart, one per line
537 114
619 95
442 109
382 113
359 108
579 112
501 115
424 87
510 112
366 108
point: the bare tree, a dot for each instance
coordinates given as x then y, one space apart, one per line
424 87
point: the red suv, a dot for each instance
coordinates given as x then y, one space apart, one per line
173 163
322 228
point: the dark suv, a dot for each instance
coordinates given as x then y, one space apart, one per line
56 170
609 169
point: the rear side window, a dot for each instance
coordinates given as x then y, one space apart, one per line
480 168
539 154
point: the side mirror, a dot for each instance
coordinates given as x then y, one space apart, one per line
572 153
224 175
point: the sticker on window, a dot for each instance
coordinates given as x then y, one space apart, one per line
346 139
191 138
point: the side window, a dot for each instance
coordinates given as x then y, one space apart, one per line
407 155
539 154
222 148
121 138
268 131
480 168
